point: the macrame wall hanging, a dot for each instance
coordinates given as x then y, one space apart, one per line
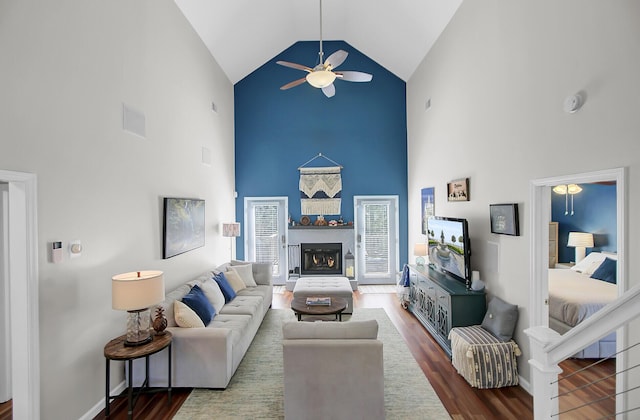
320 188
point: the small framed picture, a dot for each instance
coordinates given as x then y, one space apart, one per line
504 219
428 206
458 190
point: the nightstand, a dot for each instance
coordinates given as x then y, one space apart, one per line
116 350
565 265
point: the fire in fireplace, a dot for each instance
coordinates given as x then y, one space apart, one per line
321 259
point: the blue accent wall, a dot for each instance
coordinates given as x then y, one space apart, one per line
594 212
363 128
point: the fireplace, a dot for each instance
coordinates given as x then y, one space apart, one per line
321 259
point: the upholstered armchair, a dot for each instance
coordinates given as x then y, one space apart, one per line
333 370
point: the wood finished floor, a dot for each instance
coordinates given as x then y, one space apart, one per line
460 400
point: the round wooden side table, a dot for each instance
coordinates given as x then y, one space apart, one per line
116 350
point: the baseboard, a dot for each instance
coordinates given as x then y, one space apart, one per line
96 409
524 384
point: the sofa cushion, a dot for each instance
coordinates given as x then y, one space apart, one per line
243 304
197 301
293 330
235 281
185 316
237 324
225 287
245 272
213 293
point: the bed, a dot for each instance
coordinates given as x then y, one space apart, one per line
574 295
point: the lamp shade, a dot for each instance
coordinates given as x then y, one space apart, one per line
321 78
580 239
231 230
137 290
420 249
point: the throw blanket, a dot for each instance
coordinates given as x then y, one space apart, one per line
320 190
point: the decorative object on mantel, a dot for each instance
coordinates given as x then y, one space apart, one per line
305 220
320 221
159 323
320 188
458 190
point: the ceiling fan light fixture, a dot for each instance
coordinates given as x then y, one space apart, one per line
321 78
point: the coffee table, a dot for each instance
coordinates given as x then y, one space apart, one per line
300 307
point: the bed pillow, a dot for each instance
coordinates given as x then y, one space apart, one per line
197 300
225 287
500 319
606 271
590 263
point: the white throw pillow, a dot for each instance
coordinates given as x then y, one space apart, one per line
246 274
235 281
590 263
185 316
213 293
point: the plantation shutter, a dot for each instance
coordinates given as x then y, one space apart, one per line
266 234
376 238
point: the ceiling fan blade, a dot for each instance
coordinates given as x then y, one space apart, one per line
336 58
294 66
354 76
329 91
293 84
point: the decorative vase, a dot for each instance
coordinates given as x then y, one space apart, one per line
160 321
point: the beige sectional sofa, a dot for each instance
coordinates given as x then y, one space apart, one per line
208 357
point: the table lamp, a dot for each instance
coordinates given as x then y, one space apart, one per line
135 292
421 251
581 241
231 230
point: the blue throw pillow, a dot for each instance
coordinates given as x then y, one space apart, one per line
606 271
197 301
225 287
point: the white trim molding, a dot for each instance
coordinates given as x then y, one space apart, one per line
23 278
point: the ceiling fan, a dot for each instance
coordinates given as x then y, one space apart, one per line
322 75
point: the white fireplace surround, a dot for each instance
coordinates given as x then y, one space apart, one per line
343 235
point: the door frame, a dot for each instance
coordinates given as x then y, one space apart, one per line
23 282
394 223
540 197
284 240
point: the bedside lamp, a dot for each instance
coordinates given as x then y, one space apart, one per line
580 241
420 250
135 292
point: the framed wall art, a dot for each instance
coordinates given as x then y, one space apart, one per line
428 206
458 190
504 219
183 226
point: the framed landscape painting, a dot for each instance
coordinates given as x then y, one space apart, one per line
183 227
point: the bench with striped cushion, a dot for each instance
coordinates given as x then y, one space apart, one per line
482 359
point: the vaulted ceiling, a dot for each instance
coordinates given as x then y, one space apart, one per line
242 35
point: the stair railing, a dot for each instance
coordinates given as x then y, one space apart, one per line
548 348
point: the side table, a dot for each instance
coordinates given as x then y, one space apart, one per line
116 350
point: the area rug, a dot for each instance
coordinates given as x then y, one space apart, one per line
377 288
256 389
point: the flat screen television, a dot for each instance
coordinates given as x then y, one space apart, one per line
449 247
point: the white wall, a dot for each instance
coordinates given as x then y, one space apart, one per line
497 79
67 67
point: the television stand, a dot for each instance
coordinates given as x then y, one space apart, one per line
441 302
